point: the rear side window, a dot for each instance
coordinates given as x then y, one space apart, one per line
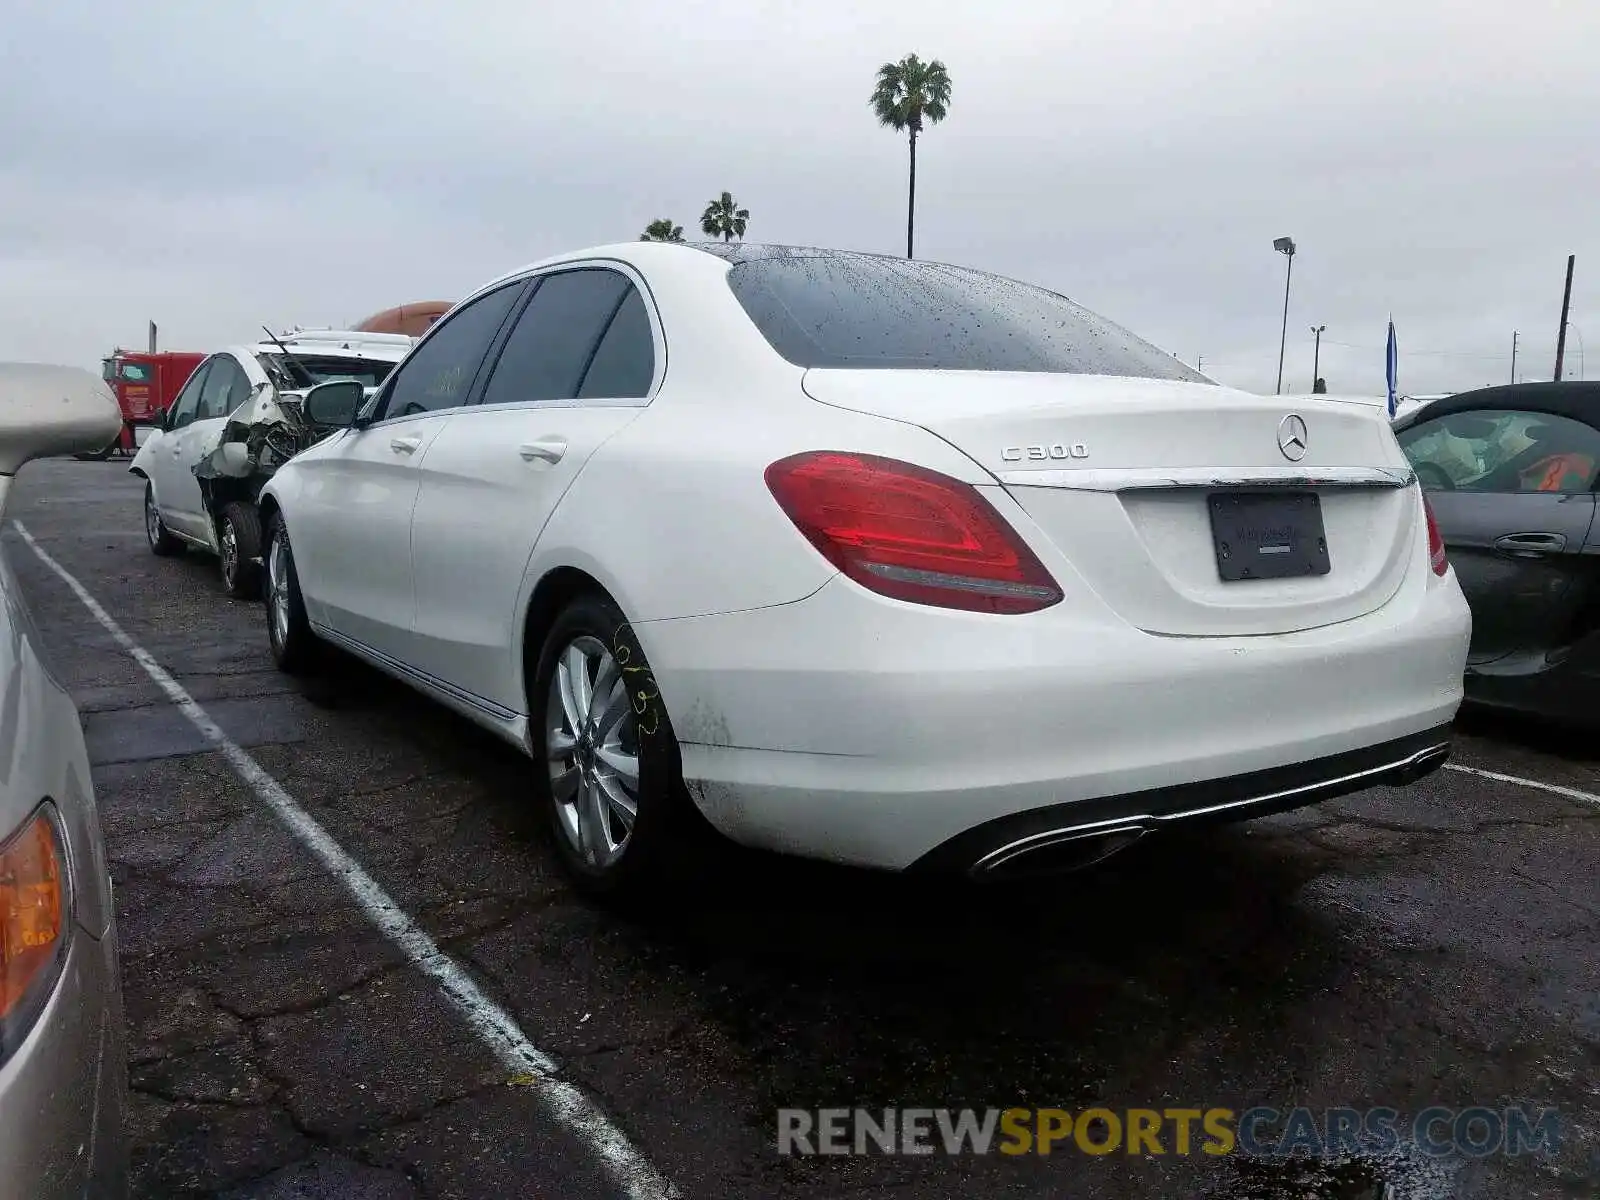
1503 450
624 364
556 336
863 311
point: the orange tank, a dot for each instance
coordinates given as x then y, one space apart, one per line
413 320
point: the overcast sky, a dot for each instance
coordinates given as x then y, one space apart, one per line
218 165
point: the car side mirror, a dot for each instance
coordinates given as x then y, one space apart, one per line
47 410
334 403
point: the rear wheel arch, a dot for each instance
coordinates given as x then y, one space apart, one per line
558 588
554 592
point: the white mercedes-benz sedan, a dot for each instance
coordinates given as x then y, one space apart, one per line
884 562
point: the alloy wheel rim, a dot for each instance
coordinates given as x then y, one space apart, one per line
152 520
591 744
278 590
230 552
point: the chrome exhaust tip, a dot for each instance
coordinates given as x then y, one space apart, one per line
1055 852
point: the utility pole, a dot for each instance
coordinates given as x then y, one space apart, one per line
1316 356
1566 307
1513 356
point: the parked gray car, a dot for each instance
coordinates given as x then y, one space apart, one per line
63 1057
1511 475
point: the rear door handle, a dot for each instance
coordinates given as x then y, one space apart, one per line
1531 545
548 450
405 445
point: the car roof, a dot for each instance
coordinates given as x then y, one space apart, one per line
641 253
1576 399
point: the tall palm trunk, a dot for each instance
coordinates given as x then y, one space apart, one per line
911 199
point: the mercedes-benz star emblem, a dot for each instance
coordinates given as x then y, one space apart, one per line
1292 437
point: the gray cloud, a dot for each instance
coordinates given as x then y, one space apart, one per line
214 168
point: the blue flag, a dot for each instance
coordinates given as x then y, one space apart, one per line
1391 369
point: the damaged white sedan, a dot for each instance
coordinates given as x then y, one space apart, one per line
234 423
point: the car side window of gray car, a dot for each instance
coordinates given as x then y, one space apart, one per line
439 373
187 404
1503 450
225 388
558 336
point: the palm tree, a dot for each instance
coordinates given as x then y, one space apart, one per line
723 219
908 93
662 230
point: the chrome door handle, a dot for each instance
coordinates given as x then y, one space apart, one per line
405 445
1531 545
548 450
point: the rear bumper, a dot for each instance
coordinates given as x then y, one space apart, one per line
1025 841
866 731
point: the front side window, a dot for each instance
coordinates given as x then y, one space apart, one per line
556 336
135 372
840 309
188 401
440 371
1503 450
226 388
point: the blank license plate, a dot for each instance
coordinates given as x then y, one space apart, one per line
1268 535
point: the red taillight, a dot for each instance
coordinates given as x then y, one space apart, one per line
910 533
1436 555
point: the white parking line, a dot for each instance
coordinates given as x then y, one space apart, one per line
628 1169
1540 785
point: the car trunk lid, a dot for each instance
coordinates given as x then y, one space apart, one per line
1140 482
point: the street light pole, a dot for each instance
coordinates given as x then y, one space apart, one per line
1316 357
1285 247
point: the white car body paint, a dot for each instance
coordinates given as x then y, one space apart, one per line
821 718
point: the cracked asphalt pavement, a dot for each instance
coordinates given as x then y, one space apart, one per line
1404 948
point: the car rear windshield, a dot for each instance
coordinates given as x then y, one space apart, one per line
371 372
864 311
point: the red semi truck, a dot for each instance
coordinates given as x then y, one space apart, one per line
145 386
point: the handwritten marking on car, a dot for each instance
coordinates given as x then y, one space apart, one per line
632 1174
1537 784
1055 450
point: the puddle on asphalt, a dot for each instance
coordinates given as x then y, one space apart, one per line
1393 1177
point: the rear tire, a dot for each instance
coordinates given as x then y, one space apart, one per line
603 744
295 648
239 539
99 455
162 543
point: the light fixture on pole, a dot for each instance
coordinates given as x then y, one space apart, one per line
1316 358
1285 247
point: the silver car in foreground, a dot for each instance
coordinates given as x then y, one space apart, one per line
63 1060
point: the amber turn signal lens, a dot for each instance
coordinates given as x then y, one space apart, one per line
33 908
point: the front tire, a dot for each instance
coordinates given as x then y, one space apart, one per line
239 540
608 771
162 543
294 646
